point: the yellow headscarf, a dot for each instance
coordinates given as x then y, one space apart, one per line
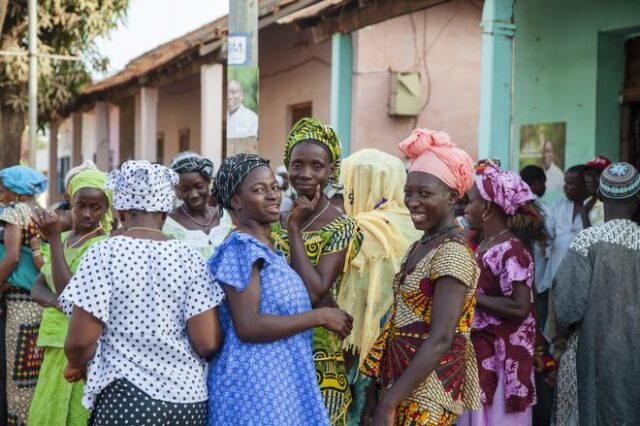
374 196
94 179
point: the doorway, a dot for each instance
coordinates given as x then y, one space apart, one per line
630 109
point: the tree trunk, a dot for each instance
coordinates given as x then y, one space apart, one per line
11 129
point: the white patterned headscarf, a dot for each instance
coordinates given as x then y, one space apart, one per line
140 185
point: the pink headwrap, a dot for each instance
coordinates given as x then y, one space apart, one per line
503 187
433 152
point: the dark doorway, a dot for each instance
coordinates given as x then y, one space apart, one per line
630 112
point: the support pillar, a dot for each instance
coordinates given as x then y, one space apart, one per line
211 93
498 31
102 136
76 139
341 82
146 125
54 194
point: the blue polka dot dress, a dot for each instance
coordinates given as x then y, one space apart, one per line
268 384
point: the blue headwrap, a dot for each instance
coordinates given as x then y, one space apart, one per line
23 180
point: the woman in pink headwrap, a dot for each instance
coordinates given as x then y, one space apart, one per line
504 330
423 362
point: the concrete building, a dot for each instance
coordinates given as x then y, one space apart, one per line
575 62
335 60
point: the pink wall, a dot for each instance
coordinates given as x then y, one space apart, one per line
453 45
292 71
179 108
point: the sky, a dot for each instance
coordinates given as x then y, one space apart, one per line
150 23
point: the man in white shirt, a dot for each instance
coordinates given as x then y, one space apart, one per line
565 220
555 176
241 121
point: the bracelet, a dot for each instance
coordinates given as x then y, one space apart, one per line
36 253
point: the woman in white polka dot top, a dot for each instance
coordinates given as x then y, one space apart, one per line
143 318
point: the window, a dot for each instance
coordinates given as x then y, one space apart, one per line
183 140
298 111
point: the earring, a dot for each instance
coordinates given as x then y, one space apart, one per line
485 216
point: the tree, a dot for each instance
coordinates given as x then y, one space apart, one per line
67 27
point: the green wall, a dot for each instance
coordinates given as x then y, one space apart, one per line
569 66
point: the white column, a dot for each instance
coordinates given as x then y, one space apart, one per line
146 124
211 93
114 135
102 136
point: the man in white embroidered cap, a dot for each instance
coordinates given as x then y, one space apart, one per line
596 295
143 312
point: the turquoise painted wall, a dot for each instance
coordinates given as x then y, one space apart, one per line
569 66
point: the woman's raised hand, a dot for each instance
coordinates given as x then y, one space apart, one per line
303 208
48 223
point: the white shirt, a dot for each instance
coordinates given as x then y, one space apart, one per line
555 178
144 291
541 258
243 123
563 228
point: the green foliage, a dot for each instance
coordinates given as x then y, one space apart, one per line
67 27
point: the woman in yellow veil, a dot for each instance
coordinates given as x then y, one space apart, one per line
374 196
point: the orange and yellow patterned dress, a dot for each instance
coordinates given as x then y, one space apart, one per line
453 386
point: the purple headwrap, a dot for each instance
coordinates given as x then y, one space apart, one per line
504 188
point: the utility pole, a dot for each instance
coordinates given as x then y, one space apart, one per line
242 77
33 81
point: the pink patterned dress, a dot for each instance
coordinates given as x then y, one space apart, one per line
504 347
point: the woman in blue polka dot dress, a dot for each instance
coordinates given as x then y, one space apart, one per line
264 373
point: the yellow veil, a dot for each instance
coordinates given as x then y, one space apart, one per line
374 196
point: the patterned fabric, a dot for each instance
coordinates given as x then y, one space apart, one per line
312 129
566 411
189 162
144 292
619 181
230 175
262 384
122 403
505 345
595 294
504 188
22 358
140 185
19 214
23 180
453 385
341 234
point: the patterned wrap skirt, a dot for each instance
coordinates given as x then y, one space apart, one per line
21 356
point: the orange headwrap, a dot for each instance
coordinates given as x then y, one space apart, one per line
433 152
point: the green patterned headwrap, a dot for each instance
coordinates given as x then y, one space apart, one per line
315 130
94 179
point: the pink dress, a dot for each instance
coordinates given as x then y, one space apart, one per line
504 347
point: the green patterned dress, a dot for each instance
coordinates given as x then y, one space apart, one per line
339 235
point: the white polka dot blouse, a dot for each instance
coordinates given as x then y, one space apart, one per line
144 291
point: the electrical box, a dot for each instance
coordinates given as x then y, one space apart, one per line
406 94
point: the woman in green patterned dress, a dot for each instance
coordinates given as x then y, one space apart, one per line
319 241
57 402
